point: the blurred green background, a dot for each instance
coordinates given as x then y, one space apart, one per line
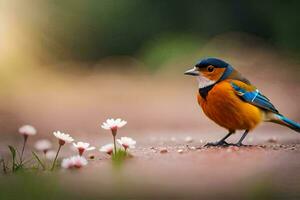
151 31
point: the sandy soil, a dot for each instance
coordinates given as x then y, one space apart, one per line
164 118
176 165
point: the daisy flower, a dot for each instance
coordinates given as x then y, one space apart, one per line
43 145
82 146
26 131
62 139
67 163
74 162
127 142
113 125
108 148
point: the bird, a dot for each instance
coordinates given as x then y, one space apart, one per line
231 101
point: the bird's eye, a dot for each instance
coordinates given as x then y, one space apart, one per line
210 68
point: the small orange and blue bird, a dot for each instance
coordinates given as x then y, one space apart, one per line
231 101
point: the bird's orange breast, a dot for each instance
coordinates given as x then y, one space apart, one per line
225 108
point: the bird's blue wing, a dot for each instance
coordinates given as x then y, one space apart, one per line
254 98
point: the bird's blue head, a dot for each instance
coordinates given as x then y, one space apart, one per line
218 63
209 71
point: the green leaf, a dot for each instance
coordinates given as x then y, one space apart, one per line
38 159
13 153
4 167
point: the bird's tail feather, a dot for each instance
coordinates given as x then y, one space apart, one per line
282 120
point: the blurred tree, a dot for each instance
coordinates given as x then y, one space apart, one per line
92 29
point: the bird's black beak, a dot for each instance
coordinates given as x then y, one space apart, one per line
192 72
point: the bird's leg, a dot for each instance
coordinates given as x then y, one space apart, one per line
239 143
222 142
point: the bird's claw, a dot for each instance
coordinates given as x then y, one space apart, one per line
240 145
217 144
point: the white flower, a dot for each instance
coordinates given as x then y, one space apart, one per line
67 163
82 146
63 138
108 148
43 145
79 161
113 125
50 155
27 130
74 162
127 142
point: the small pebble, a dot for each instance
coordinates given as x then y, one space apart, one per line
189 139
180 150
153 149
238 148
229 150
192 148
164 150
273 140
91 156
234 148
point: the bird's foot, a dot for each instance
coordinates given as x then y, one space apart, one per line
239 145
217 144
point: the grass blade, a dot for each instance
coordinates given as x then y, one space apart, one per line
4 167
13 153
39 160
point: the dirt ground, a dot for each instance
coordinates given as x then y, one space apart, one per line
159 170
170 161
176 167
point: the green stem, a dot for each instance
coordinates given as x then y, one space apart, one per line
53 165
115 146
45 160
23 149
